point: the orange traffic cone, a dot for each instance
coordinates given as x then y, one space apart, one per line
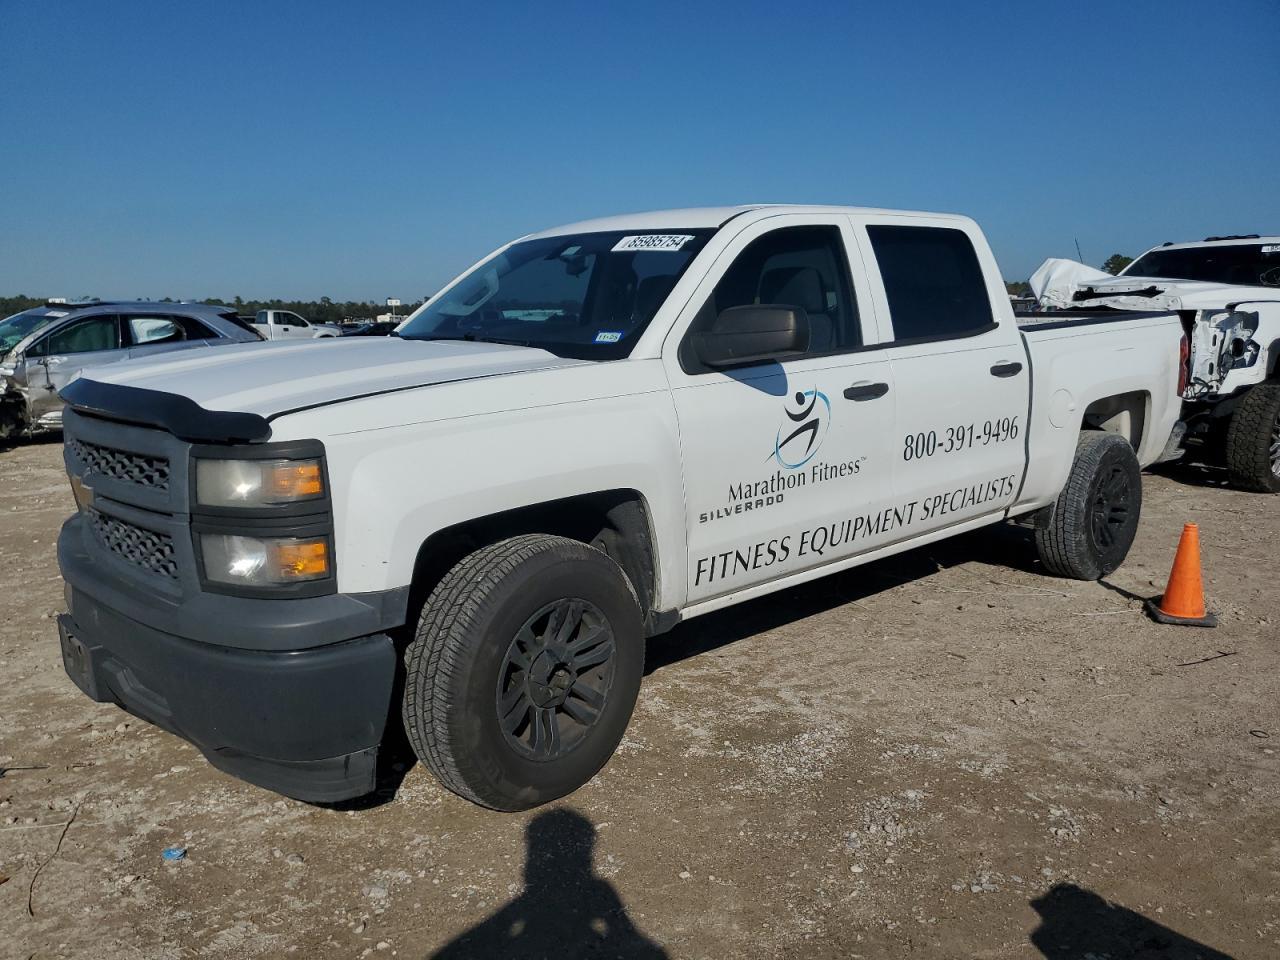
1183 600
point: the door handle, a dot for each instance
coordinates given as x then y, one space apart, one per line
866 391
1006 369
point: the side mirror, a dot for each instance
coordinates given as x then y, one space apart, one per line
753 334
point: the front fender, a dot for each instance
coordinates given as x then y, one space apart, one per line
393 487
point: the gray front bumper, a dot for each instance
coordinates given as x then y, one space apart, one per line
289 694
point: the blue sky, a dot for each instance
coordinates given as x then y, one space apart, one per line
365 150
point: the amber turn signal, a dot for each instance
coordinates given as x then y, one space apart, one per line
295 481
301 559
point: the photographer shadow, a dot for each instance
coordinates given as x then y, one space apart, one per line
1076 923
566 910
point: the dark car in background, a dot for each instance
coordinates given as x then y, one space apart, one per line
45 348
379 328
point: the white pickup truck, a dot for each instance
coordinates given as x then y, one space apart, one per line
287 325
1226 291
597 432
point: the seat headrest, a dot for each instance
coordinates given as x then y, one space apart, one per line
650 293
794 286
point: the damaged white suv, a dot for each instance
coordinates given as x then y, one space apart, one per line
1227 292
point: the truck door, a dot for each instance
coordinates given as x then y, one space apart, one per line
53 360
292 326
959 367
786 464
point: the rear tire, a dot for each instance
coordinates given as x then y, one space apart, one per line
1087 532
1253 440
524 671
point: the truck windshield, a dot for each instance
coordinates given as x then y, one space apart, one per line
587 296
1246 264
17 327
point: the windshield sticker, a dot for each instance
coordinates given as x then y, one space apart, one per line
1271 248
652 241
608 336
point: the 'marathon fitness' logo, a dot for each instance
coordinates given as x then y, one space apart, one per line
803 430
795 445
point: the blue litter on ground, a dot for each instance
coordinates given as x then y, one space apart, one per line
174 853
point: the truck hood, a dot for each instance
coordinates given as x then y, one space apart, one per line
268 379
1057 283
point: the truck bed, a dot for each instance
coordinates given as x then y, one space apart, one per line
1079 359
1059 319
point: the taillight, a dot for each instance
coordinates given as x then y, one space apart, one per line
1184 365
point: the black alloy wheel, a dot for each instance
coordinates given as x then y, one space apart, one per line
555 680
1087 531
1109 514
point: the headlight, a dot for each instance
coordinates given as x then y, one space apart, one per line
264 562
257 483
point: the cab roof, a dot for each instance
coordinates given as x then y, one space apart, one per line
195 308
1237 241
710 217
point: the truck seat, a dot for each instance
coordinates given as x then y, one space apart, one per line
801 287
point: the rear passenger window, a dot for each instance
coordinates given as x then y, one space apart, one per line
145 330
194 329
934 283
796 267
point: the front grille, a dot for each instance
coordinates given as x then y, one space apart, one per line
143 548
136 468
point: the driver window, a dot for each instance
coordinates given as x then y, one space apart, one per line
85 336
803 267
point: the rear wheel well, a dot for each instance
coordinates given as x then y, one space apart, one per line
1124 414
616 522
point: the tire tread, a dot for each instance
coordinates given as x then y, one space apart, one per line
1249 440
442 647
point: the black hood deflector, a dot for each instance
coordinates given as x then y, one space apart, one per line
181 416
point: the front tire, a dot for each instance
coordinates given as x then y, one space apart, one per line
524 671
1087 532
1253 440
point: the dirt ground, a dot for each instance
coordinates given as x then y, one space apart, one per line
946 754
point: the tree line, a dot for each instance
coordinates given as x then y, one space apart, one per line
323 310
326 310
